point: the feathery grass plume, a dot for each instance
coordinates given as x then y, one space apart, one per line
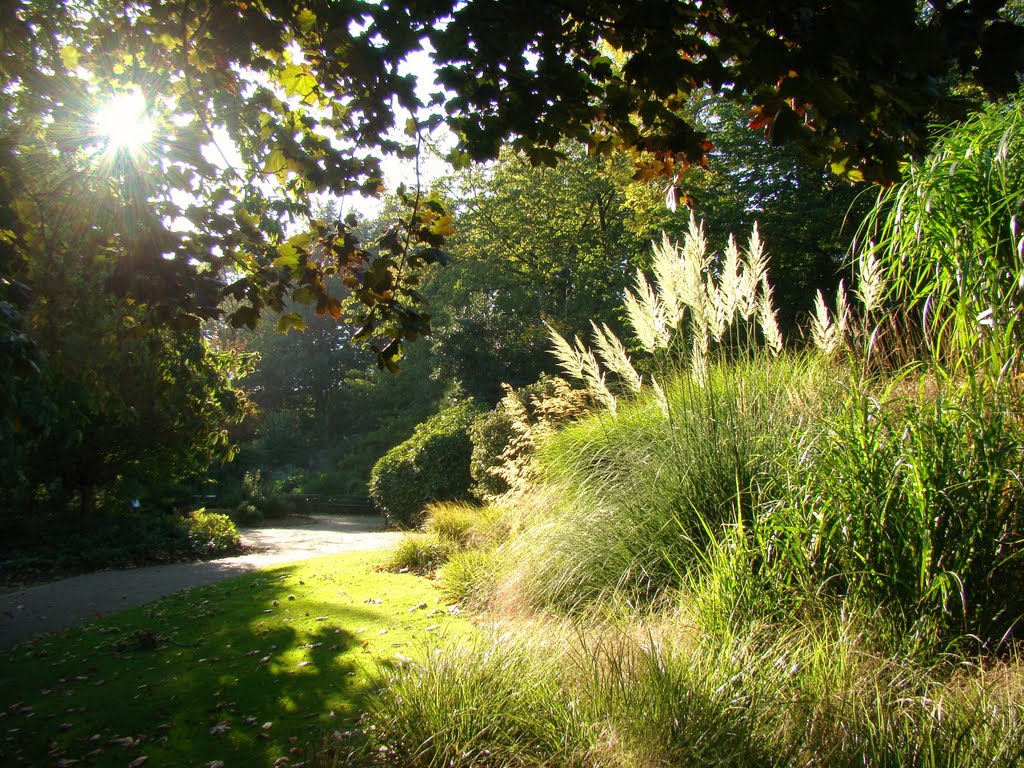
767 319
614 355
754 273
646 314
757 260
693 290
580 363
842 310
593 377
670 278
871 283
823 331
729 285
661 397
569 358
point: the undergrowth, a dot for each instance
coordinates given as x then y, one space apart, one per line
754 557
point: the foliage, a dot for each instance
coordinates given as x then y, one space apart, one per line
913 504
950 238
505 438
432 465
543 693
58 545
243 636
533 245
298 102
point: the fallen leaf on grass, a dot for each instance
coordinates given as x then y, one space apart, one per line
215 764
220 728
418 607
124 741
138 761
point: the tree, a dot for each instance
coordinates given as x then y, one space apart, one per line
535 245
303 99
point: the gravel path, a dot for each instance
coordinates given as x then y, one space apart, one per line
66 603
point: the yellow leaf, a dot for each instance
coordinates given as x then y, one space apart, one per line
289 257
299 81
443 226
70 56
307 20
279 165
168 41
300 240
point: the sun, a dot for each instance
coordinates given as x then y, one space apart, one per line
125 123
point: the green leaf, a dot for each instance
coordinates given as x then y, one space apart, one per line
291 321
289 258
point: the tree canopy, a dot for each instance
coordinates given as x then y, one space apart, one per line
257 108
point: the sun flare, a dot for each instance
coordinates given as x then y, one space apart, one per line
124 122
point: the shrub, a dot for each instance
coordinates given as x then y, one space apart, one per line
432 465
505 438
280 505
246 513
211 534
118 540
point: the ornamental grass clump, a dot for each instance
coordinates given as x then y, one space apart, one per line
950 239
680 320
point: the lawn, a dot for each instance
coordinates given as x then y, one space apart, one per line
267 669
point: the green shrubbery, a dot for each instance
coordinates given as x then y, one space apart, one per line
211 534
432 465
118 540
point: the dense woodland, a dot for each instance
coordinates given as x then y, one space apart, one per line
698 364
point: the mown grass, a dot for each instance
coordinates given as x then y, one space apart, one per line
261 670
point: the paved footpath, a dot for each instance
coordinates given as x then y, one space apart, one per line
69 602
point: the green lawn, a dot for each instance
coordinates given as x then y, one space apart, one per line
263 670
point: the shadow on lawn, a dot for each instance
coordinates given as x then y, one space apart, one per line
219 674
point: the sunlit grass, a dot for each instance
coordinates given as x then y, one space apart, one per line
248 671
